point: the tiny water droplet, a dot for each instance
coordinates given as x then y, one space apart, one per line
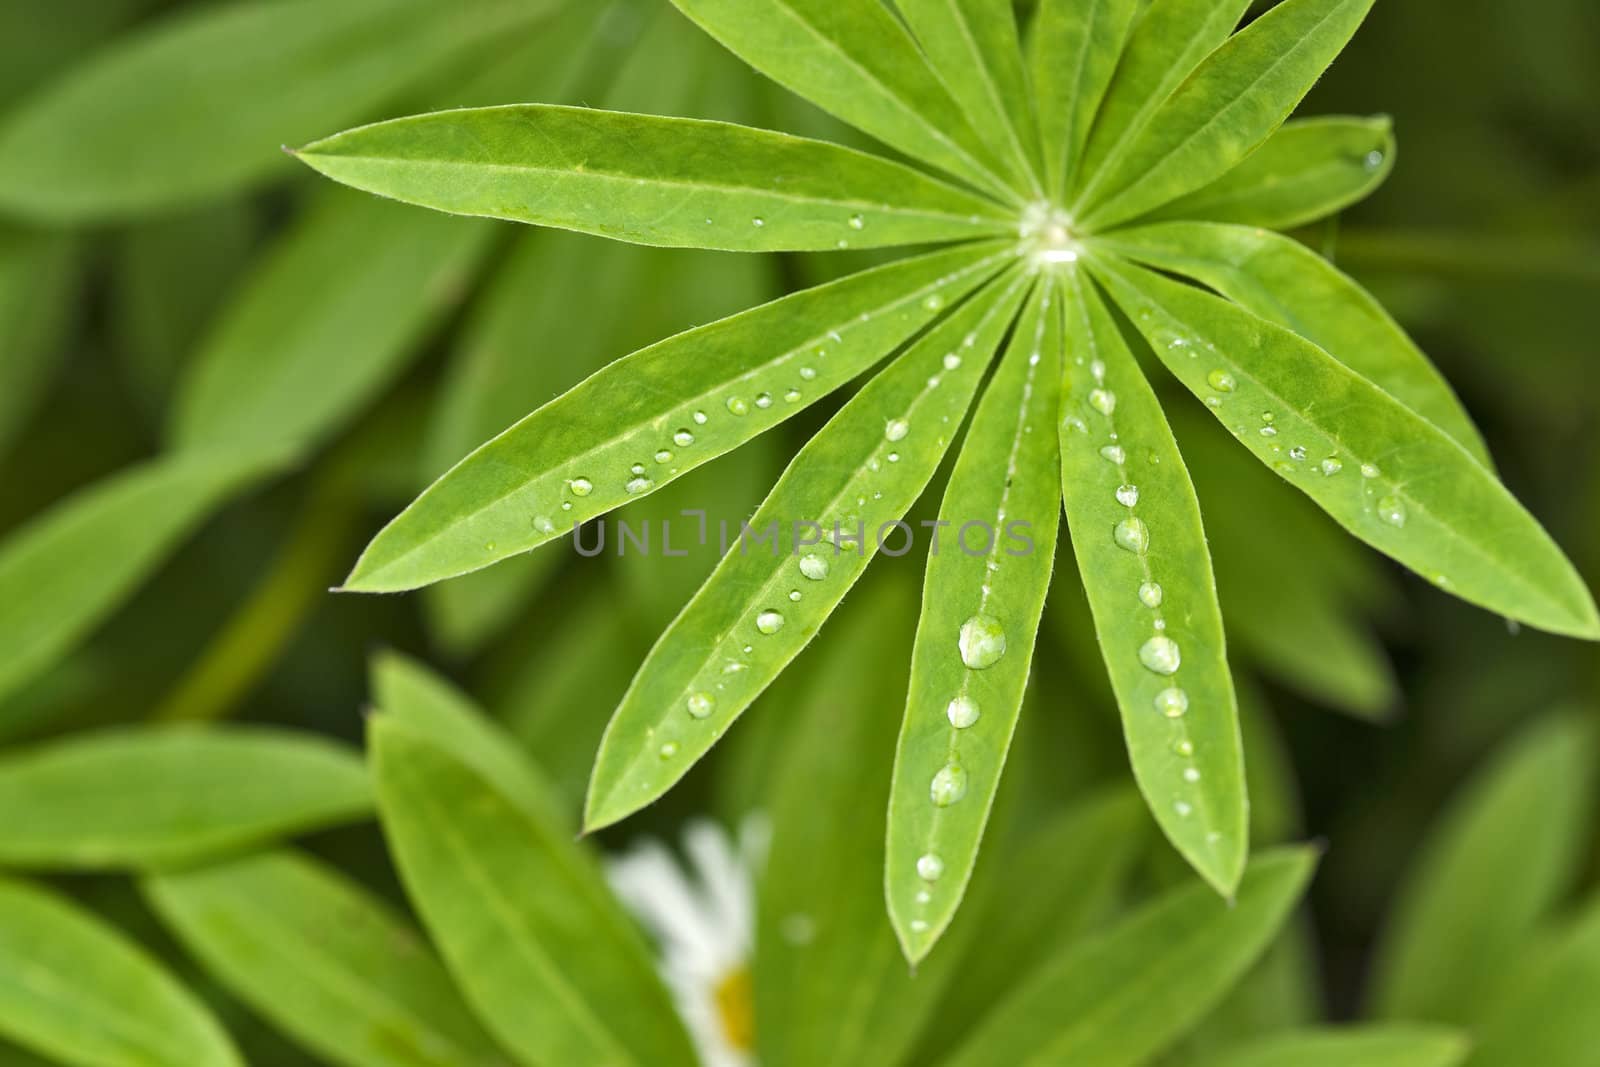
701 705
1184 810
929 867
896 429
1160 654
1097 368
857 222
636 486
769 621
1184 747
794 594
1297 453
700 418
1331 466
683 438
581 486
1392 510
1114 453
669 750
663 456
1190 774
949 785
763 400
814 566
566 505
1127 495
1369 470
543 525
807 373
1103 400
758 222
982 641
1373 161
962 712
738 405
893 457
1172 703
637 468
952 361
1150 594
919 926
1221 381
1072 422
1133 535
1269 431
934 302
792 396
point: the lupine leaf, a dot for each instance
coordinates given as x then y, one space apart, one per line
1285 282
525 923
973 46
651 180
980 614
1074 49
1166 44
854 60
859 474
38 280
1307 170
692 387
1141 551
1543 1012
1506 852
1381 471
365 280
1231 103
79 992
324 959
1394 1045
138 142
1118 998
72 566
154 798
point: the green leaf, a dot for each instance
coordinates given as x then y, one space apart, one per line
981 602
1232 102
972 45
841 494
521 915
651 180
1307 170
1285 282
72 566
38 282
138 143
365 280
1141 551
1544 1014
79 992
1385 474
162 797
714 387
1122 996
324 959
1166 44
1506 851
1074 48
830 985
853 59
1396 1045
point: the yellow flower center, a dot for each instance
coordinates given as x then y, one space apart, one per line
736 1009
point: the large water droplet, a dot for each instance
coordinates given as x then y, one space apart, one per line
581 486
814 566
1127 495
1103 400
1331 466
962 712
949 785
1150 594
763 400
983 641
1160 654
1392 510
896 429
738 405
769 621
1133 535
636 486
1221 381
929 867
701 705
683 438
1114 453
663 455
1173 702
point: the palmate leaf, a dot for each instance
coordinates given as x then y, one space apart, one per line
766 600
1142 554
81 993
652 180
324 959
664 410
980 614
1384 473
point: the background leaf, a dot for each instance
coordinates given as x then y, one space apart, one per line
1396 1045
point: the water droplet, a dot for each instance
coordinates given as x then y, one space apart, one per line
581 486
769 621
1160 654
701 705
1392 510
857 222
758 222
929 867
637 468
1127 495
949 785
982 642
1190 774
814 566
792 396
738 405
543 525
1331 466
669 750
1373 161
952 361
1114 453
1098 369
962 712
1133 535
1103 400
566 505
896 429
893 457
1269 431
1298 452
934 302
663 456
1184 810
1072 422
807 373
636 486
763 400
683 438
1150 594
1370 470
919 926
1184 747
1221 381
794 594
1173 702
700 418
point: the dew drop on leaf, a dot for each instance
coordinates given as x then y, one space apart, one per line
738 405
983 642
669 750
962 712
1173 703
1392 510
1160 654
1369 470
1114 453
683 438
763 400
700 418
1133 535
1298 452
1127 495
929 867
769 621
1103 400
857 222
701 705
1221 381
896 429
636 486
949 785
581 486
814 566
1331 466
1150 594
952 361
663 456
